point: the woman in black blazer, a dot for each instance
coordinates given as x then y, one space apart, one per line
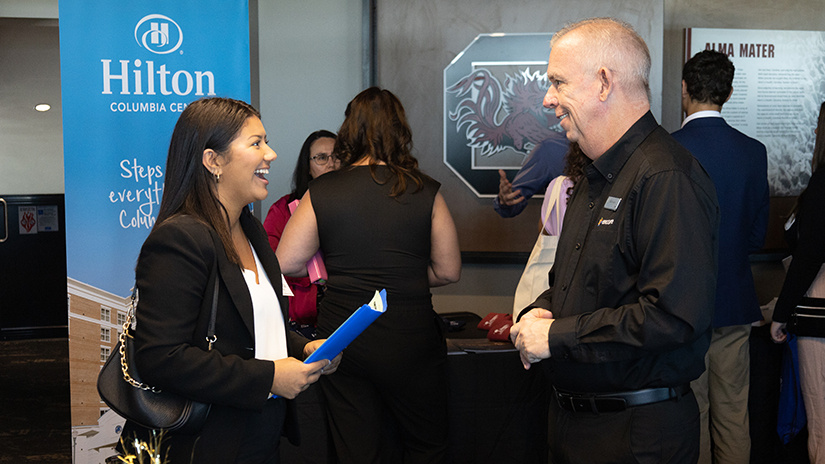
803 286
217 160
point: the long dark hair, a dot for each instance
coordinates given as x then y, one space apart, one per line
375 127
574 162
189 187
301 176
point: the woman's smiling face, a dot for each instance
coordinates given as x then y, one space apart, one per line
245 165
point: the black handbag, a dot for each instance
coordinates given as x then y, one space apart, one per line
120 387
808 319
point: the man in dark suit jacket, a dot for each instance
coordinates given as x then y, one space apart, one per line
737 164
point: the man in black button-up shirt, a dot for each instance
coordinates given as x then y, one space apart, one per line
631 295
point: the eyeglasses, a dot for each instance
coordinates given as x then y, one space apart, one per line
322 158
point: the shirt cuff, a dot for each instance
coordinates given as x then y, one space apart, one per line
561 337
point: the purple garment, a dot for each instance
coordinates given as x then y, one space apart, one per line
553 227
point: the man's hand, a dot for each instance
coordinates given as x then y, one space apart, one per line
506 194
530 336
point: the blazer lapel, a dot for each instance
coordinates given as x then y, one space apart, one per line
231 275
257 237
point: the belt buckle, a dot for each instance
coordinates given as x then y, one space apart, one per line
575 403
590 403
584 404
610 404
565 401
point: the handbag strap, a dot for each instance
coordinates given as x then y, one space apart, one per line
124 336
211 337
555 196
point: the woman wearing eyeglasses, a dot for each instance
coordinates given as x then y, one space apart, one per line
315 159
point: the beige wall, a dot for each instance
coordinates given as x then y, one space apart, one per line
31 152
310 67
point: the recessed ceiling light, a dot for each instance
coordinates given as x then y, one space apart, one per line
42 107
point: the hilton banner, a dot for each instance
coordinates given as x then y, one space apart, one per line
128 69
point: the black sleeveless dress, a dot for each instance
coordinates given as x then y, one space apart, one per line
395 370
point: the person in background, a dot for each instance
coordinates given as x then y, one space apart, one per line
382 224
543 164
533 279
738 166
626 322
204 236
805 233
315 158
574 162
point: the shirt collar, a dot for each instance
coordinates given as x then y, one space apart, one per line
611 162
702 114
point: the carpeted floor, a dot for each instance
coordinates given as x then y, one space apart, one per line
35 417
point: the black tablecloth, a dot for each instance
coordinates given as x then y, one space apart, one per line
498 410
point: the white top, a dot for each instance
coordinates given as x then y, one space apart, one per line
702 114
270 331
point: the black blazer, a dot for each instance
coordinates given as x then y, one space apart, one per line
807 245
175 277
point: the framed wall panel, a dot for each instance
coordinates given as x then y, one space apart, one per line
417 39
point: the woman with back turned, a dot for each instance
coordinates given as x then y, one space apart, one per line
381 223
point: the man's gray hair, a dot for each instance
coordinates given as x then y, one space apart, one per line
614 44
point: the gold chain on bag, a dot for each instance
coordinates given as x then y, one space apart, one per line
130 314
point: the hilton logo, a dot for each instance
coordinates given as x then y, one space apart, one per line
153 32
160 35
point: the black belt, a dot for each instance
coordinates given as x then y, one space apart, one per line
612 402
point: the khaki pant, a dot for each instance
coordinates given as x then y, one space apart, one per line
812 381
722 394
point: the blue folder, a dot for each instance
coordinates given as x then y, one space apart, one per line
351 328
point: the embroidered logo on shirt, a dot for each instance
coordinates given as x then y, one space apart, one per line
605 222
612 203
